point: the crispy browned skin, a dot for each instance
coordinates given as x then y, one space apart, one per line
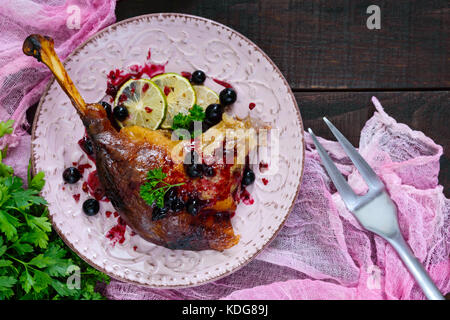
123 159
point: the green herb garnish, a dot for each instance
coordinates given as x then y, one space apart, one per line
184 121
154 190
34 262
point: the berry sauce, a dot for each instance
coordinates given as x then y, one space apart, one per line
148 109
108 214
186 74
82 167
246 197
123 97
222 83
117 233
167 90
118 76
265 181
251 106
94 188
76 197
263 166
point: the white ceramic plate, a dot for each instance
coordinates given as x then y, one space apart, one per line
186 43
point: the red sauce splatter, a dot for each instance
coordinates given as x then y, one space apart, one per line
83 167
64 188
186 74
117 233
123 97
167 90
148 109
135 248
251 106
222 83
108 214
132 233
121 222
76 197
118 77
265 181
115 214
74 164
85 187
134 68
246 197
95 189
145 87
263 166
149 54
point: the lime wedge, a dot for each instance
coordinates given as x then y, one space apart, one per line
205 96
180 95
146 103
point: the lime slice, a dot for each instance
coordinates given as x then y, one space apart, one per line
146 103
205 96
180 95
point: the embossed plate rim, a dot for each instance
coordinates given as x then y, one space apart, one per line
250 43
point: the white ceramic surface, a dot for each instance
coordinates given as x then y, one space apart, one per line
187 43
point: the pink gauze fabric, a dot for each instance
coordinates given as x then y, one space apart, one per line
22 78
322 252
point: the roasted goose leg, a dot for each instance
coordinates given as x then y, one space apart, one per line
123 159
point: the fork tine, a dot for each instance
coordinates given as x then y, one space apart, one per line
346 192
363 167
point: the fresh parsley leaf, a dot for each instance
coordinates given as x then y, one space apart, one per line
5 170
22 248
37 182
181 121
7 282
26 280
8 224
197 113
41 261
156 174
41 223
41 280
2 247
6 127
154 190
184 121
37 237
5 263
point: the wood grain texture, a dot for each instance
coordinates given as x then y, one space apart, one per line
326 44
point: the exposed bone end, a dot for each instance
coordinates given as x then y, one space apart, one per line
32 46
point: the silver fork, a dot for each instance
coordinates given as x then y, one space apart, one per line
375 210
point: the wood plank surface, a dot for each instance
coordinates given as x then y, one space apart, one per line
326 44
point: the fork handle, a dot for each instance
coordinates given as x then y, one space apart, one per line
415 267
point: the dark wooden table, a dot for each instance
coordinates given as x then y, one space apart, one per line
334 63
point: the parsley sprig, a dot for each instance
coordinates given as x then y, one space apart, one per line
34 262
184 121
154 190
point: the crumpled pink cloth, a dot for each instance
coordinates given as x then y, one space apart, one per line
22 78
322 252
